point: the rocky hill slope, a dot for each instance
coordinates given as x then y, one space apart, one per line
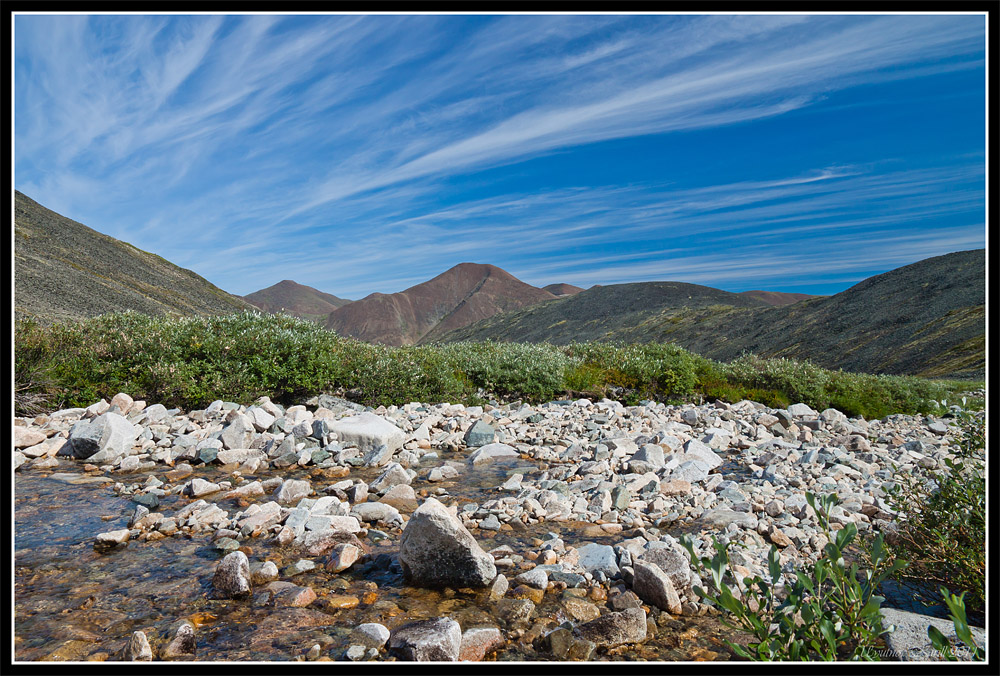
64 270
927 319
297 300
462 295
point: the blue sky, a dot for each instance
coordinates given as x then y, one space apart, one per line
369 153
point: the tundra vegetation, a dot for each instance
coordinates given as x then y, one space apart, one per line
189 362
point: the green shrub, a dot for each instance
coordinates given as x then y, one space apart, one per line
956 608
535 372
942 519
827 614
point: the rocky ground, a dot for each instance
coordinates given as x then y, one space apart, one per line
631 479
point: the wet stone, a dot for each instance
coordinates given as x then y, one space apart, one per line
436 640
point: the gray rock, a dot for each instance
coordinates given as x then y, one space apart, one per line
377 456
367 432
672 561
703 452
376 511
491 452
910 643
238 433
612 629
479 434
655 587
370 635
392 475
111 539
722 518
137 649
198 487
536 577
651 454
183 644
802 410
232 576
102 440
437 640
436 550
291 491
595 558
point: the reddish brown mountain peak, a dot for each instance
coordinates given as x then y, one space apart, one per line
463 294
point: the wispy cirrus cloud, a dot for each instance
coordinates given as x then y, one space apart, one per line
361 153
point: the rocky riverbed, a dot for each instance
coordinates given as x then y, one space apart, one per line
327 531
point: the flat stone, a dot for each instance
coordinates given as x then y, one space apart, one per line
367 432
595 558
25 437
492 452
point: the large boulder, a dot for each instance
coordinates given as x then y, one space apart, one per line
436 550
437 640
25 437
102 440
367 432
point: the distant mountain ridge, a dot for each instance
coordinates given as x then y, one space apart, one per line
64 270
562 289
927 318
296 299
459 296
777 297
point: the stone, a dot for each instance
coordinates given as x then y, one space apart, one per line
565 646
102 440
595 558
477 642
402 497
238 433
367 432
672 561
492 452
342 557
198 487
436 640
910 643
111 539
702 452
392 475
376 511
259 418
722 518
649 453
479 434
377 457
580 610
137 649
264 573
498 587
232 576
123 402
655 587
294 596
802 410
613 629
370 635
436 550
183 644
25 437
536 577
291 491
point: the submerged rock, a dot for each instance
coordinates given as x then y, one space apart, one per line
437 640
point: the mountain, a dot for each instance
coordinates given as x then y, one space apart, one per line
64 270
602 312
464 294
296 299
777 297
562 289
927 318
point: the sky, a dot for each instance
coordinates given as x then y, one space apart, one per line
360 154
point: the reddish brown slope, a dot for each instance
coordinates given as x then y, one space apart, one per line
295 299
462 295
777 297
